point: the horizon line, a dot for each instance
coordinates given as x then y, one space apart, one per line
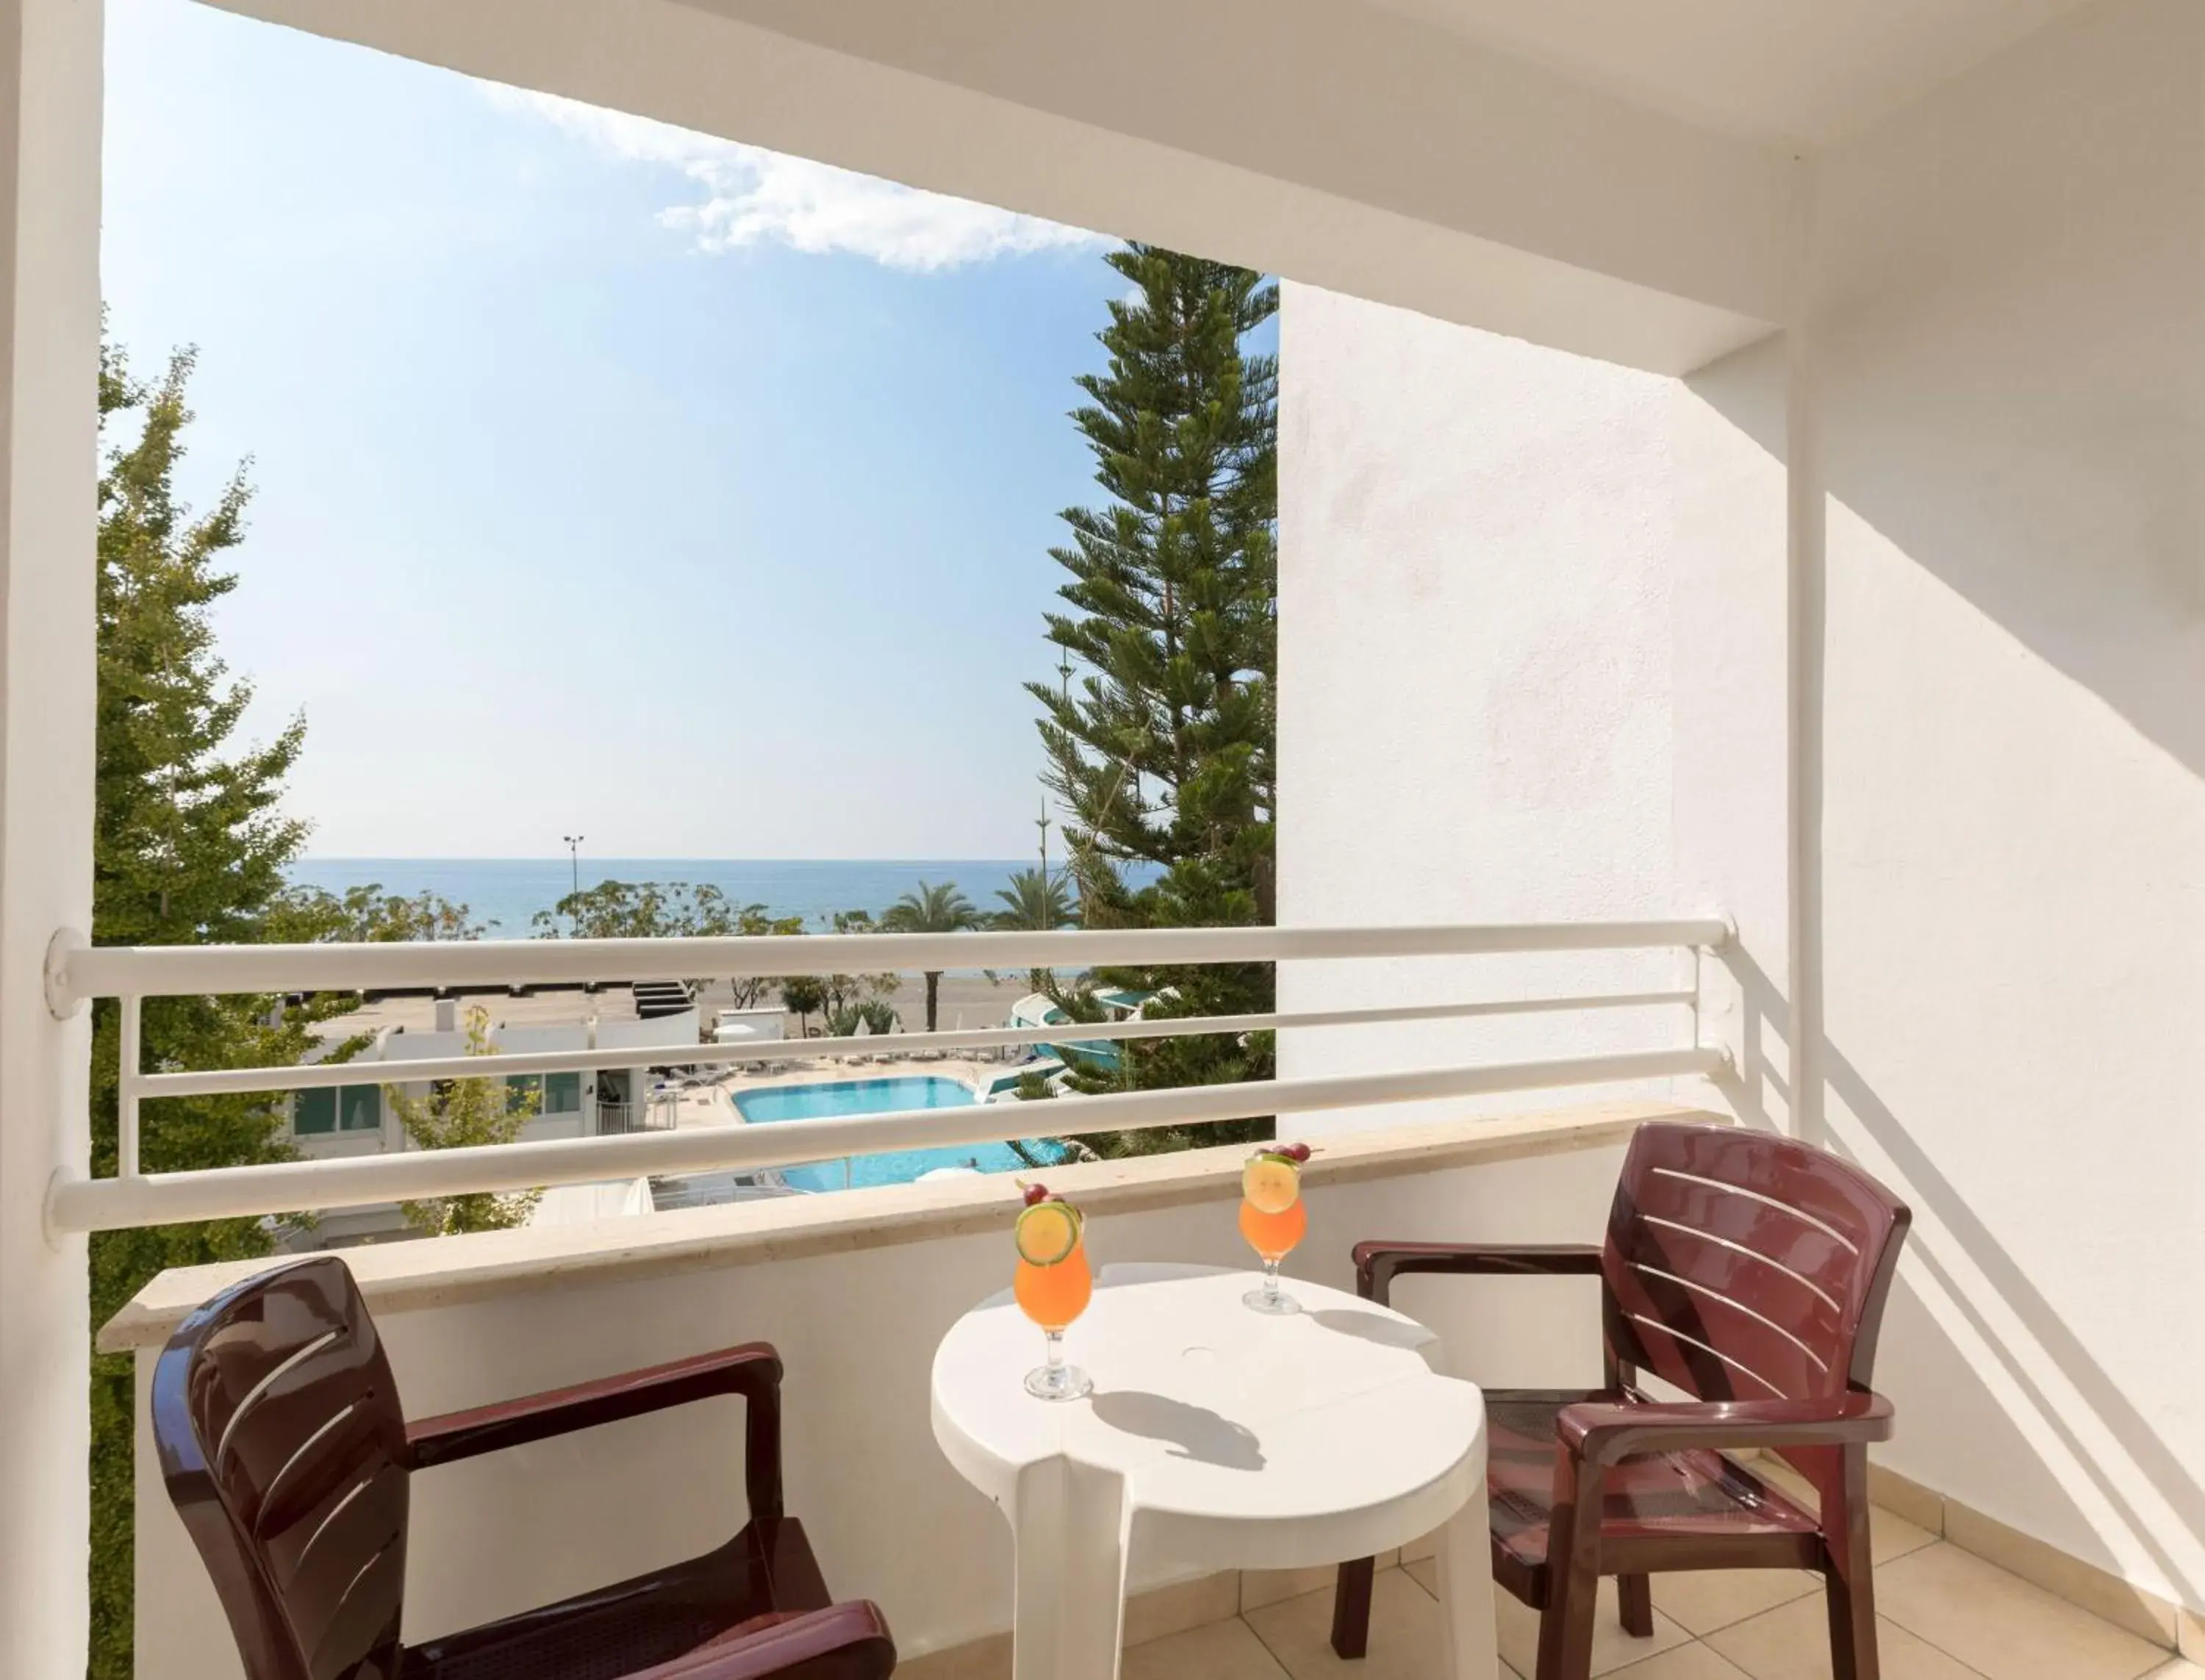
611 858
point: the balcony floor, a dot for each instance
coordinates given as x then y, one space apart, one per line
1945 1615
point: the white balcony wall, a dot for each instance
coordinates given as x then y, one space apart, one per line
677 1032
2010 374
856 1314
1512 582
1534 621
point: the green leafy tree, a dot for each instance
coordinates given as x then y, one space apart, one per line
845 991
469 1113
667 909
932 910
189 847
753 921
803 997
1163 753
368 914
631 910
874 1014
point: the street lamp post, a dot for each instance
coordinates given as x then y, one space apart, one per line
574 858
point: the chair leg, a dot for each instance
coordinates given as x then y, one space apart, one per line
1573 1572
1849 1581
1566 1627
1852 1626
1351 1609
1636 1594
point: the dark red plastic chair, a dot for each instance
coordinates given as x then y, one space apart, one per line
1748 1271
285 1449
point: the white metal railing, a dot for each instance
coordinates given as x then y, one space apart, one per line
77 972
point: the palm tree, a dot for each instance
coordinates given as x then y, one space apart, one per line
932 910
1035 902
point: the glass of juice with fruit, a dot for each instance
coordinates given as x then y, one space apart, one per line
1273 1218
1053 1286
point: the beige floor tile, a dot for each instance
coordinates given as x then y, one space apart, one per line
2002 1626
1701 1600
1793 1643
988 1659
2179 1669
1261 1586
1426 1574
1889 1534
2084 1585
1164 1611
1221 1651
1428 1547
1611 1649
1405 1634
1686 1662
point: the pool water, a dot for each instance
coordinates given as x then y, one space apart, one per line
878 1097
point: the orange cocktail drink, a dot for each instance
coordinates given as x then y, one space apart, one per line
1052 1285
1054 1296
1274 1236
1274 1218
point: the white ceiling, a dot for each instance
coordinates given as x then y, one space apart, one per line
1762 70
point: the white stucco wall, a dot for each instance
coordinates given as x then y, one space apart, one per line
2010 349
1534 658
1509 577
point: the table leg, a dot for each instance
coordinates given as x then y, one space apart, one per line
1069 1533
1465 1569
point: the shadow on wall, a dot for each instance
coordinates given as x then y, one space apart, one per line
2026 430
1948 1240
2007 631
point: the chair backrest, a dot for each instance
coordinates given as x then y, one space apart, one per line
1743 1266
283 1445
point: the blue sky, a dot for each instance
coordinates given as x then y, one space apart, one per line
609 479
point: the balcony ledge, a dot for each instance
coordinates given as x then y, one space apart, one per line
451 1270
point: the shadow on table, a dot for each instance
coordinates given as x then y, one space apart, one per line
1198 1432
1371 1327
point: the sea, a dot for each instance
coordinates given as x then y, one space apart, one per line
505 893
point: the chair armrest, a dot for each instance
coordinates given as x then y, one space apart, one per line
1378 1264
1599 1432
844 1641
753 1371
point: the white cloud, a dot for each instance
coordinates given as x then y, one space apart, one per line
752 197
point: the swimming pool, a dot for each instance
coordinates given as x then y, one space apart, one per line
878 1097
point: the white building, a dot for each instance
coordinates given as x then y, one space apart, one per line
337 1122
1737 459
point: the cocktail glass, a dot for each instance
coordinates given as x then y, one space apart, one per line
1053 1287
1274 1219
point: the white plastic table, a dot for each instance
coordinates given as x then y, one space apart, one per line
1216 1436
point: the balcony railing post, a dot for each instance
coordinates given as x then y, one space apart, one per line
50 135
130 1069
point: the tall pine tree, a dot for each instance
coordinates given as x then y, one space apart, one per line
1164 751
189 847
